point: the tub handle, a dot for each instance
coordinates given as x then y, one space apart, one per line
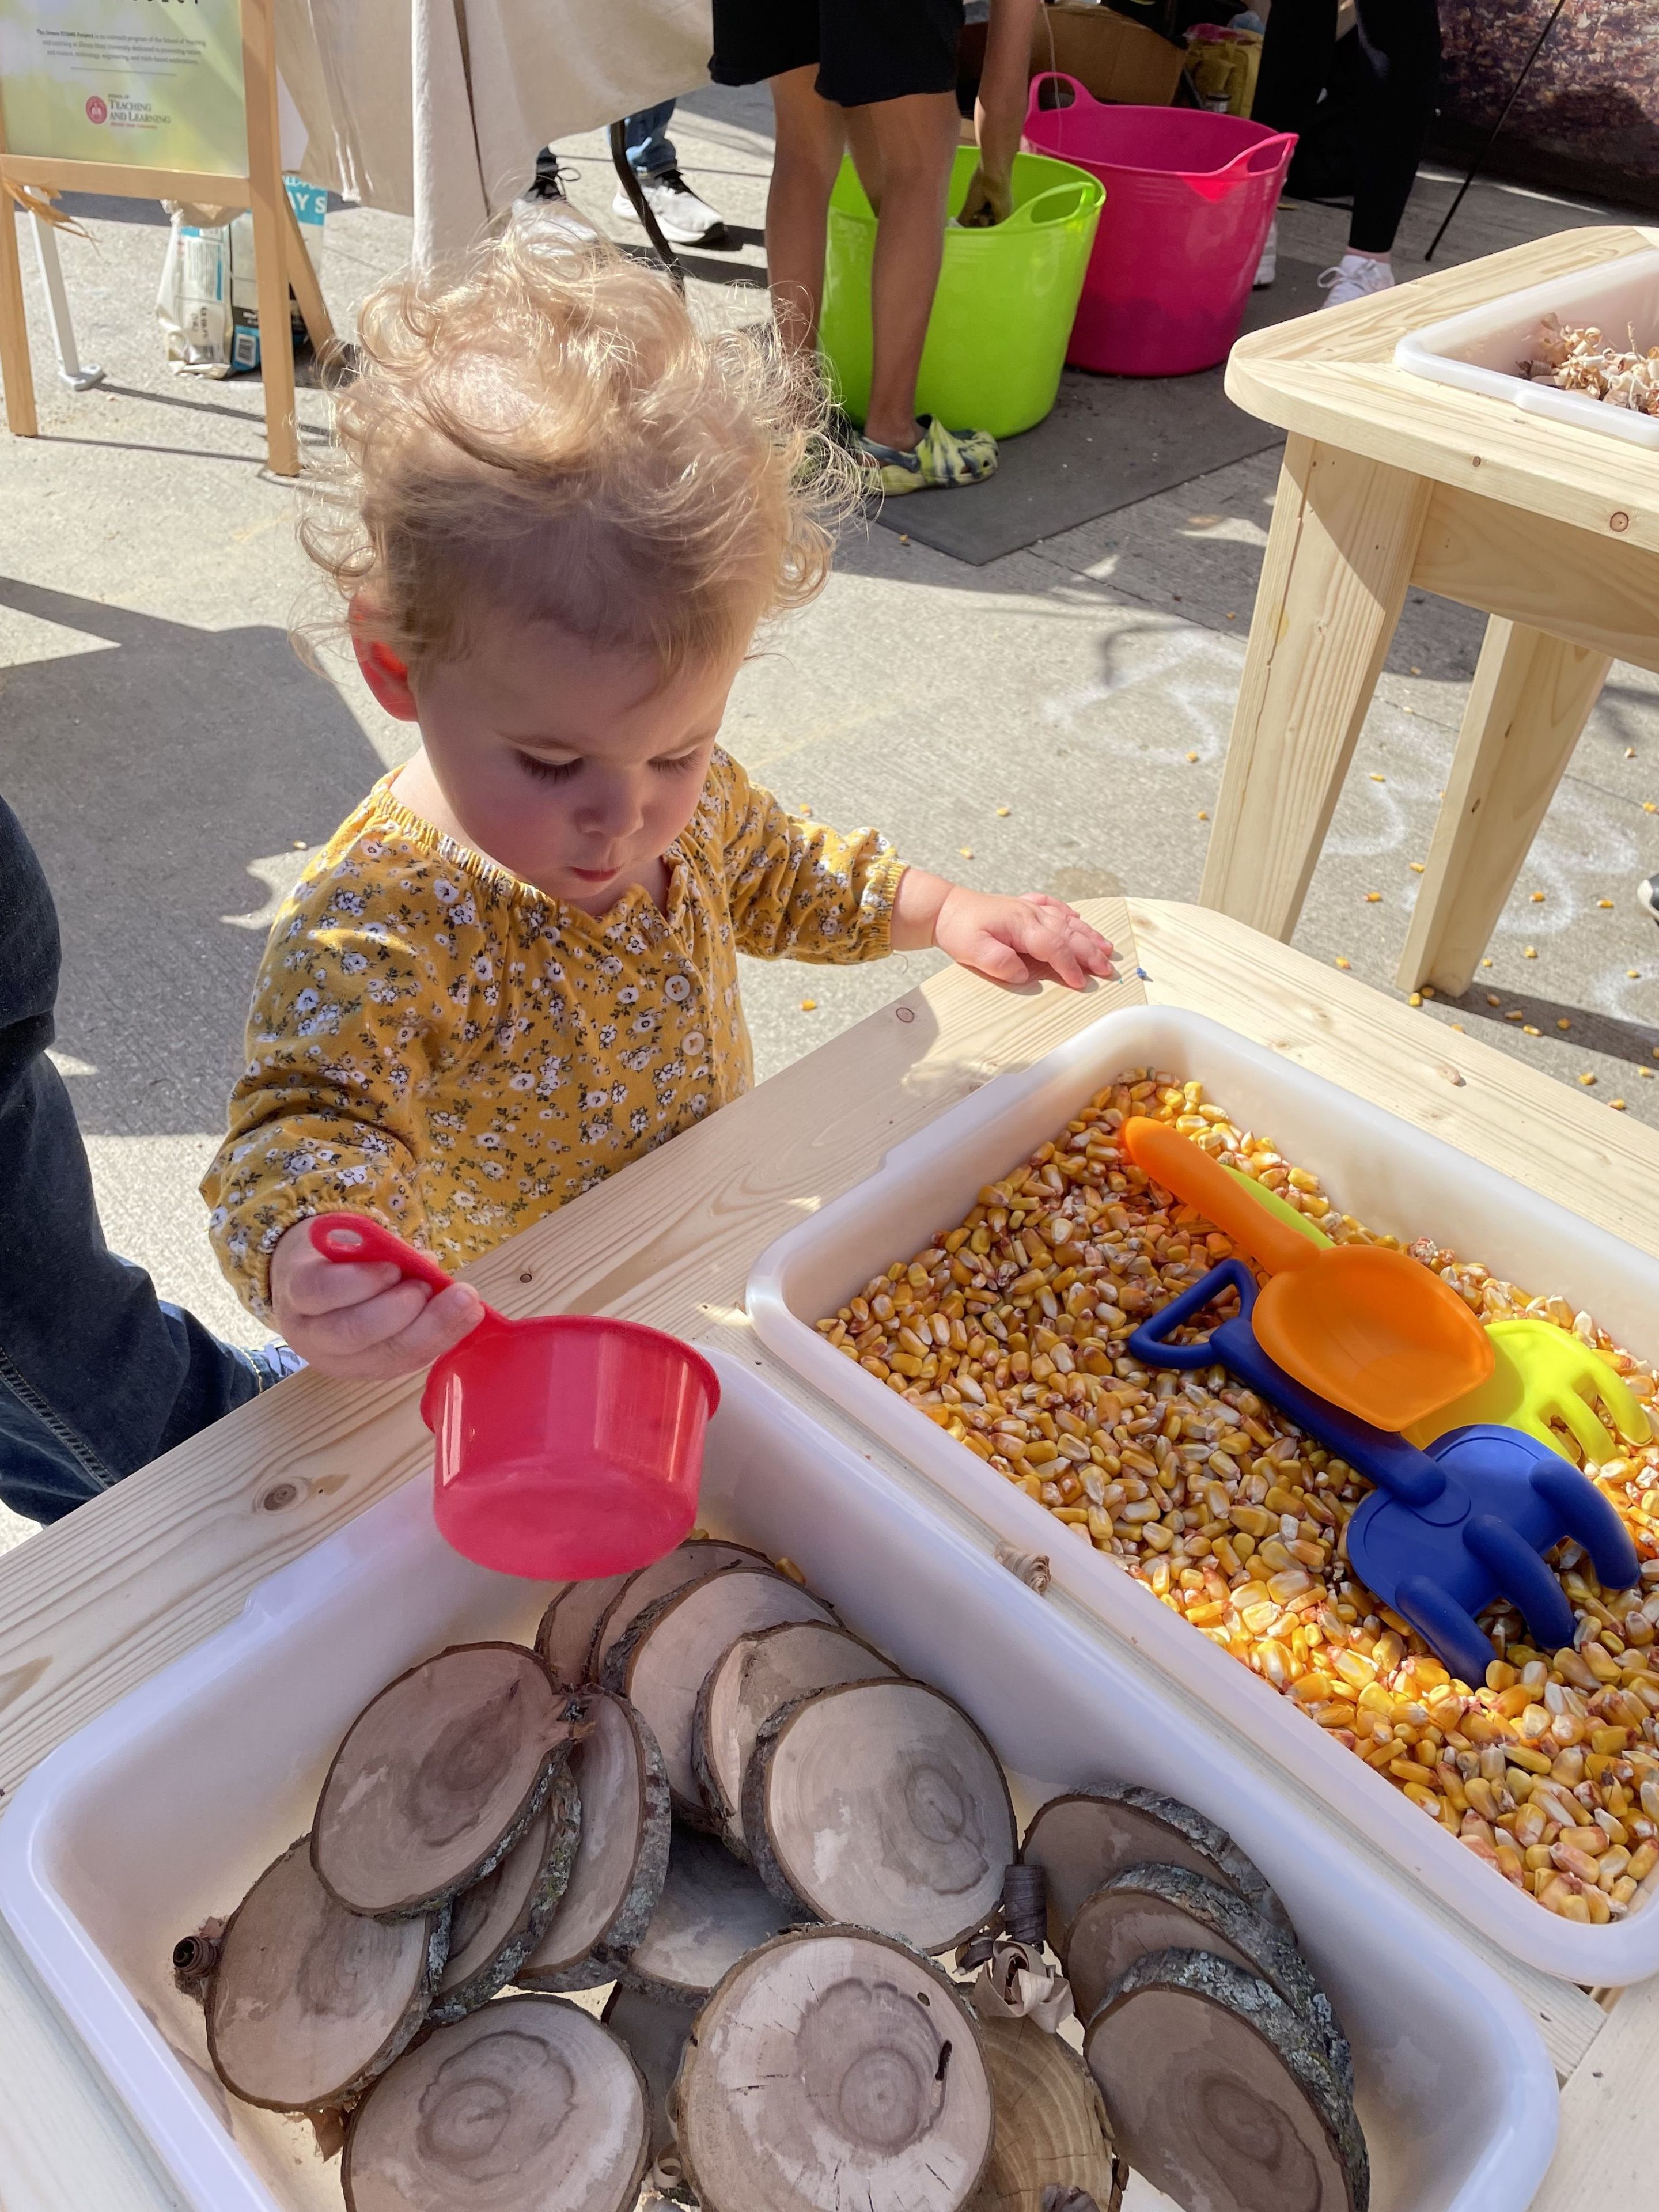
1256 161
1058 205
1081 94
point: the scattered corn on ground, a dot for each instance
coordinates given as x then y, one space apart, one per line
1009 1333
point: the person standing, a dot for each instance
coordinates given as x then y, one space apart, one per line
877 76
1399 47
682 217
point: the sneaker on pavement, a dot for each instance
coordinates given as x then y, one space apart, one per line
1267 268
1356 276
548 183
1647 896
683 218
943 457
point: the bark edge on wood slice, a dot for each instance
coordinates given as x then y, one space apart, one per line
833 2066
1081 1837
661 1659
1052 2132
926 1832
292 1954
564 1637
466 1741
757 1676
527 2104
622 1858
713 1910
693 1561
656 2030
498 1922
1221 2094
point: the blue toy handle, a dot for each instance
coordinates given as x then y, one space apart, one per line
1380 1457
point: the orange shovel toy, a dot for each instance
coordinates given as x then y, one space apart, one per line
1369 1329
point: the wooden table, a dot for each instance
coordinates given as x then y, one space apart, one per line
1391 483
93 1607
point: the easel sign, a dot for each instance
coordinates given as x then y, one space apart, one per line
175 100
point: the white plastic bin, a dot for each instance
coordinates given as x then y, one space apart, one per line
162 1810
1393 1177
1482 349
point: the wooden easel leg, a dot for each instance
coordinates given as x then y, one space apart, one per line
1531 696
308 291
15 367
1344 532
268 195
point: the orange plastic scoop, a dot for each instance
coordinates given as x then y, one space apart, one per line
1369 1329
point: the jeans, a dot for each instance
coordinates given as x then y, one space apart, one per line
650 149
1400 41
98 1376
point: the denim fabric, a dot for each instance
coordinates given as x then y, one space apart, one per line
98 1376
650 149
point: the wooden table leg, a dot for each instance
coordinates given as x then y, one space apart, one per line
1339 553
1531 696
14 369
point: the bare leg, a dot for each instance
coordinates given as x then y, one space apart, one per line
904 149
810 134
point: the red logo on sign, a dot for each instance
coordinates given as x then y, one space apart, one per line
97 109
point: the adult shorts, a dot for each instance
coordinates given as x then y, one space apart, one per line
866 49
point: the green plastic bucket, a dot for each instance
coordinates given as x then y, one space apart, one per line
1002 315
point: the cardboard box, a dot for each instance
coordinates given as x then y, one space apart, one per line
1113 58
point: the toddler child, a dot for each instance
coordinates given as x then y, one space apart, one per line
514 967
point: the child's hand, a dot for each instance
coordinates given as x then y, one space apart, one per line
1008 940
363 1320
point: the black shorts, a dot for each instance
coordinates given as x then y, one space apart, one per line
866 49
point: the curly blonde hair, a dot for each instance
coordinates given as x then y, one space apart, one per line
543 432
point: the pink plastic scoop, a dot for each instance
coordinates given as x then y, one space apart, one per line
567 1446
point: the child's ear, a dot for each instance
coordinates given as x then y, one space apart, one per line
386 677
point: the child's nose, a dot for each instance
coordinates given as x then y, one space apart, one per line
613 811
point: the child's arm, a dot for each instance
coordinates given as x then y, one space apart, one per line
1005 939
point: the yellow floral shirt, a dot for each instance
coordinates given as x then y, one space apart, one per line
436 1043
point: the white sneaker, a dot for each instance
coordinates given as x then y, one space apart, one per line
1267 268
1356 276
684 219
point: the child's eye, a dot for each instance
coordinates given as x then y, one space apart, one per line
548 771
681 762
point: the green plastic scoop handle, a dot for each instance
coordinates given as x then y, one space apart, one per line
1540 1374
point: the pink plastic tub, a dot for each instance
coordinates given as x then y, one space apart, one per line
1189 196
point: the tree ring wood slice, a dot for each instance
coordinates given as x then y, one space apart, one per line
1052 2131
655 2030
437 1777
693 1561
308 2002
1222 2095
762 1673
661 1660
499 1921
881 1804
834 2069
565 1637
1082 1837
1165 1908
527 2104
622 1858
712 1909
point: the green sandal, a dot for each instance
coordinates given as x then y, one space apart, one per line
943 457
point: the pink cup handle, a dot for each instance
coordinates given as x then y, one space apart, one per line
349 1238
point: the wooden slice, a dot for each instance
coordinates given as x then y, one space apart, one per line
655 2031
834 2069
693 1561
1084 1837
1165 1908
1220 2094
528 2105
438 1778
499 1921
881 1804
761 1675
713 1911
661 1660
565 1638
309 2001
1052 2132
622 1859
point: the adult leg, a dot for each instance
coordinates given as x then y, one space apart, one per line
97 1375
1400 41
649 147
682 217
810 136
904 149
1296 61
